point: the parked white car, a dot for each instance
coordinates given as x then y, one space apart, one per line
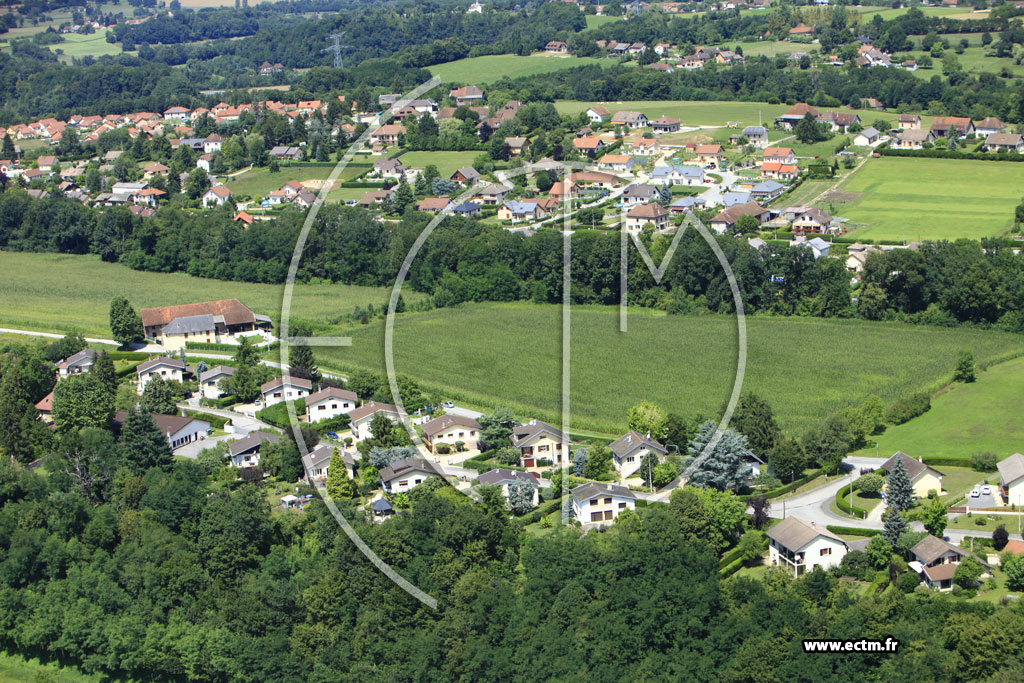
975 492
986 490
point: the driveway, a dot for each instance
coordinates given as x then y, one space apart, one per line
192 450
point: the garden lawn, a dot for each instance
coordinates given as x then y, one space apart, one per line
958 481
446 162
901 198
510 354
982 416
973 60
257 183
490 68
54 293
594 21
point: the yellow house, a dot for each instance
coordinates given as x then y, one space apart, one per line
922 477
537 440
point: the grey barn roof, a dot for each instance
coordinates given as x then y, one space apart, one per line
191 324
794 533
587 491
1011 469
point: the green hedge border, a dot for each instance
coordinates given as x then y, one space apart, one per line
849 508
786 488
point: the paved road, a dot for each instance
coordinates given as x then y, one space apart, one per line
192 450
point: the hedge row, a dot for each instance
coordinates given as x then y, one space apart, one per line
128 355
277 414
219 402
846 506
363 183
209 346
216 421
129 370
949 462
543 510
786 488
852 530
946 154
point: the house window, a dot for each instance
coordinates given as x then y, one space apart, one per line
622 506
321 407
607 501
543 449
344 405
629 458
596 516
277 394
416 481
404 483
334 406
595 501
824 552
608 514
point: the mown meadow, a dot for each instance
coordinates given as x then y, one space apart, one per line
807 368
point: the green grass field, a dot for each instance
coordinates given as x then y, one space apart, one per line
901 197
490 68
715 113
594 21
967 418
80 45
446 162
973 60
889 14
258 182
772 48
510 354
54 293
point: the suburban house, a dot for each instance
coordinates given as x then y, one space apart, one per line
245 452
161 366
216 195
685 204
756 135
433 204
779 155
231 316
857 255
1011 479
388 168
629 119
450 430
517 145
812 220
491 194
641 215
866 137
285 152
76 363
799 546
467 95
284 389
503 477
330 402
942 125
598 114
989 126
839 122
387 134
180 431
630 449
557 46
936 561
465 176
620 163
796 114
710 154
645 147
539 441
404 475
637 193
317 463
909 122
677 175
588 144
726 219
362 416
665 124
777 171
516 211
593 503
766 190
45 408
819 247
1004 142
914 138
209 381
922 477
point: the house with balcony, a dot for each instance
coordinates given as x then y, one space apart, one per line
598 503
800 546
537 441
630 449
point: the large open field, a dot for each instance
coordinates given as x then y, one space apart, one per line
81 45
446 162
490 68
54 293
982 416
510 354
921 199
714 113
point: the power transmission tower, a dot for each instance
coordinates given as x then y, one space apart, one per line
636 7
337 48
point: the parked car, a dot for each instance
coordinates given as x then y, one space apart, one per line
975 492
449 404
332 435
986 490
